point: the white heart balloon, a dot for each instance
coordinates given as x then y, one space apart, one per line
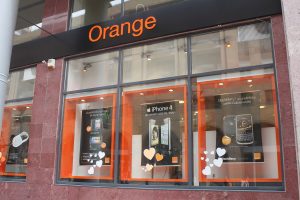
99 163
221 152
206 171
218 162
101 154
91 171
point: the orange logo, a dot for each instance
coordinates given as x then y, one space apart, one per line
136 29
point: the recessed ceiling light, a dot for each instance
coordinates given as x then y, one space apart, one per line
101 98
171 90
261 107
249 81
27 107
221 83
14 109
141 94
181 102
82 100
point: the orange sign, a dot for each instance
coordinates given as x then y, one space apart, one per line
136 29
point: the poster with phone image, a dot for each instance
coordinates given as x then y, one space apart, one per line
161 130
239 129
17 157
96 130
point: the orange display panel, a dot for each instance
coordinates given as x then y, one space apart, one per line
68 138
5 138
129 125
218 87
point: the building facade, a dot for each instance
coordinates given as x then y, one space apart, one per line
132 99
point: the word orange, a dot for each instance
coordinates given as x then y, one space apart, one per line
136 29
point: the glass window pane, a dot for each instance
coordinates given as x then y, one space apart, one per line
88 137
14 140
236 130
21 84
155 61
30 16
154 134
135 6
94 71
86 12
243 46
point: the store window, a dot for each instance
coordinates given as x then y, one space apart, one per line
15 132
236 130
86 12
154 134
165 122
29 21
136 6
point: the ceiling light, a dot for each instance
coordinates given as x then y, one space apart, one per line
221 84
227 44
249 81
101 98
261 107
149 57
27 107
82 100
181 102
14 109
141 94
171 90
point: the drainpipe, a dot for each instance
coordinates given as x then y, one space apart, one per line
8 18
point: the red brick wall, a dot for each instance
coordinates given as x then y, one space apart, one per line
40 180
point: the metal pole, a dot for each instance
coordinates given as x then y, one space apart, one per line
8 18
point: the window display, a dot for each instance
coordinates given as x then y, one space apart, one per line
14 140
238 133
88 134
154 134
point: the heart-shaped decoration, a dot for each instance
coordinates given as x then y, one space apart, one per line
205 152
159 157
218 162
207 160
221 152
149 153
101 154
149 167
99 163
91 171
206 171
211 165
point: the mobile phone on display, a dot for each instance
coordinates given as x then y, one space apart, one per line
165 134
153 133
244 129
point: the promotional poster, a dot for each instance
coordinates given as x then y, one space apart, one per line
95 135
17 157
238 126
161 130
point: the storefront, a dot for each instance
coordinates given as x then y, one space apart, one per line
182 99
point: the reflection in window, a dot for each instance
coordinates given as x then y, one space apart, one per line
21 84
135 6
94 71
248 45
29 20
87 12
159 60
